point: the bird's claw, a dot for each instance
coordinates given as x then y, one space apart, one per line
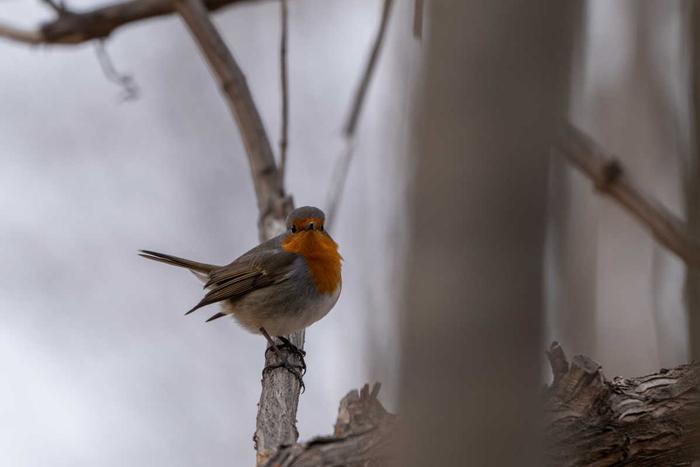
292 350
287 344
293 369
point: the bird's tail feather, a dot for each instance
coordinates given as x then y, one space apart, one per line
201 270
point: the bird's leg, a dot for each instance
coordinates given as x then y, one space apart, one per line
272 344
284 359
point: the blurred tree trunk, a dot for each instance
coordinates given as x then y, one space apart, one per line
692 185
495 84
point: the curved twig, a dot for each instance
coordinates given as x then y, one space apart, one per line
284 83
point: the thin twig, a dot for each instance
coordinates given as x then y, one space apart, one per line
284 81
342 165
609 178
338 180
58 8
130 89
358 101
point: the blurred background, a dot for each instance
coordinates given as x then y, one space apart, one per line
99 365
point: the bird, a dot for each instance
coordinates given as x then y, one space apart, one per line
277 288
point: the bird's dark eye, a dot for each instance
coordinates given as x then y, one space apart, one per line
320 227
293 228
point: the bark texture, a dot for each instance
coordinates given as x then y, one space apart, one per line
643 421
364 436
591 421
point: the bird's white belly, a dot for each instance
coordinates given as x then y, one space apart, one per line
320 307
282 322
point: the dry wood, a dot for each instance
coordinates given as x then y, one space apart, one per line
644 421
609 178
75 27
364 436
276 420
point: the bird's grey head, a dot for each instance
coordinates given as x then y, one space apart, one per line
305 218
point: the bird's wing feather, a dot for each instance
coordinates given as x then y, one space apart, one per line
254 270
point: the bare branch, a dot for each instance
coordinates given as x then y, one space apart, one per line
284 81
342 165
338 180
272 202
358 101
609 178
364 435
77 27
279 398
130 90
20 35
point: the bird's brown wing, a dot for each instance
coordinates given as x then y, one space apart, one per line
254 270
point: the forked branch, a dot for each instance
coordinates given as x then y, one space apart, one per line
73 27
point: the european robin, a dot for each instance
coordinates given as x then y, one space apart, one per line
279 287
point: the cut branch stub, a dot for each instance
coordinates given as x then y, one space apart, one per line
557 360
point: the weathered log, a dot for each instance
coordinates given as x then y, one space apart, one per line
643 421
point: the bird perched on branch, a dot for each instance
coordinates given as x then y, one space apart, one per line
279 287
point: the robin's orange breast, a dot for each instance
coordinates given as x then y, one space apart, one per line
322 256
